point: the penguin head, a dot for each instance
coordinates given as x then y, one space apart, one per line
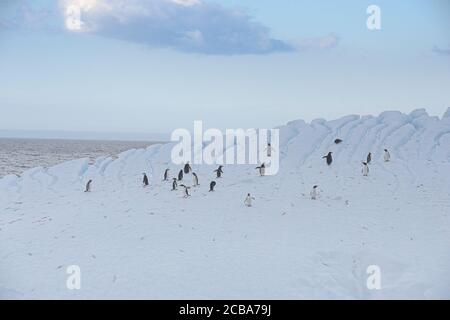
315 187
248 194
364 163
385 150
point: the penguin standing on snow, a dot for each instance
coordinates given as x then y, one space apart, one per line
269 150
262 169
195 178
88 186
365 169
329 158
219 171
248 200
174 184
180 175
314 193
166 175
387 155
145 180
211 186
369 158
187 168
186 190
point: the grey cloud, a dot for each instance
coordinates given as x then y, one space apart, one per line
202 27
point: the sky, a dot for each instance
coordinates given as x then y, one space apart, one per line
157 65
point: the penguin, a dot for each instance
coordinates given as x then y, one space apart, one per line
337 141
211 186
166 175
145 180
195 178
174 184
187 168
262 169
269 150
219 171
180 175
365 169
369 158
314 193
186 190
88 186
387 155
248 200
329 158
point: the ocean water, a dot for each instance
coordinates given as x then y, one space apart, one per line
18 155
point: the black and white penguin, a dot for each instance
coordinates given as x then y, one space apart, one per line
174 184
314 193
337 141
269 150
195 178
180 175
365 169
387 155
145 180
219 171
166 175
329 158
88 186
369 158
262 169
187 168
248 200
186 190
212 185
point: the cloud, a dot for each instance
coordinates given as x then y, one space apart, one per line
440 51
183 25
319 43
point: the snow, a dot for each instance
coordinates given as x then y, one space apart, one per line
135 242
447 113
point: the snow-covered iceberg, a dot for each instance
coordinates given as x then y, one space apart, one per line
135 242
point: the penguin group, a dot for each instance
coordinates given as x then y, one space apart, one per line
365 164
364 170
187 169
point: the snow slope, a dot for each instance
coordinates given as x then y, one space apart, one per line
135 242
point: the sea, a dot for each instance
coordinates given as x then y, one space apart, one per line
18 154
